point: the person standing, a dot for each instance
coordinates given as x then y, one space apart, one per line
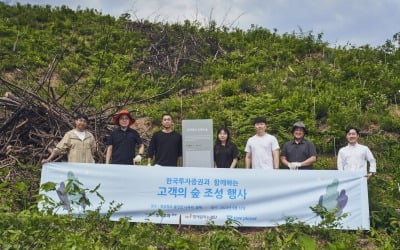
165 145
122 142
78 143
299 153
262 149
354 156
225 151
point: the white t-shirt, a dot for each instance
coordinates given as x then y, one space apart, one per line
261 149
80 134
355 157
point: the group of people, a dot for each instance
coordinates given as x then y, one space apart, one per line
80 145
262 151
165 148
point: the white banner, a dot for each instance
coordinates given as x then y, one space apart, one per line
196 196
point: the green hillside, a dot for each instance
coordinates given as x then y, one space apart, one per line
85 61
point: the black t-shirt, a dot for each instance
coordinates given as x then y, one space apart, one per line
224 155
166 147
123 145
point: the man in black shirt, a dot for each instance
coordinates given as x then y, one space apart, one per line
122 142
165 145
299 153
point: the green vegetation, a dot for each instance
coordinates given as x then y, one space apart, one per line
97 64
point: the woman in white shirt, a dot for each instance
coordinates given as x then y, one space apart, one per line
354 156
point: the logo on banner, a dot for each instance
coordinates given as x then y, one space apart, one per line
333 199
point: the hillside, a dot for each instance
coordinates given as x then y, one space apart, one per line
56 61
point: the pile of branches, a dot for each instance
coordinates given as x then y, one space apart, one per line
173 47
31 126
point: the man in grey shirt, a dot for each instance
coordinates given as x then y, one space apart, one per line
299 153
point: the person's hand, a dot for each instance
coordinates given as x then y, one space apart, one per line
137 159
294 165
369 175
45 161
297 164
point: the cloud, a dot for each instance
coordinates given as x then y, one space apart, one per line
356 21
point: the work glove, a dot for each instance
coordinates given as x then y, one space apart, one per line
137 159
297 164
294 165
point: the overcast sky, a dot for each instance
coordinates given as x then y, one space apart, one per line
357 22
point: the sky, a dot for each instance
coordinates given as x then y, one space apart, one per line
342 22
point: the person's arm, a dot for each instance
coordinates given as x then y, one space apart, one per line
247 160
275 155
109 143
215 155
51 157
151 150
312 152
141 149
108 154
234 163
235 156
180 146
275 152
372 163
93 146
284 161
372 167
139 143
180 161
138 157
283 157
309 161
339 161
369 175
61 148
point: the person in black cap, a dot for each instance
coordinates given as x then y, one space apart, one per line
299 153
122 142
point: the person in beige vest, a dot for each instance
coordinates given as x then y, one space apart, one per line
78 143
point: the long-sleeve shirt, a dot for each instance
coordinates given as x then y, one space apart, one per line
355 157
78 150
